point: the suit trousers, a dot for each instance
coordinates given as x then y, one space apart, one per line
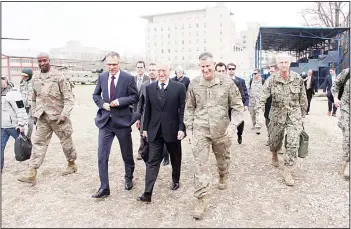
106 136
331 104
309 98
240 128
165 151
156 148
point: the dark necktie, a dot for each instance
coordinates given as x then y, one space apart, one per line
162 89
112 87
162 94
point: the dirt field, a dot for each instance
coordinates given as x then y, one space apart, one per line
256 197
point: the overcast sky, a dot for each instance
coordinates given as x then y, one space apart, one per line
117 25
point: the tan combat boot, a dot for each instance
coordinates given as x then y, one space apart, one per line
289 180
347 170
275 161
223 180
199 209
71 168
31 178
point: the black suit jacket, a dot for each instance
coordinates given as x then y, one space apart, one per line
328 83
141 104
185 81
313 85
170 117
126 93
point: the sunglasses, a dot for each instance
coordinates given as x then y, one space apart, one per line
255 73
231 69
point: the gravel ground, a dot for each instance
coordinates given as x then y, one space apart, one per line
256 197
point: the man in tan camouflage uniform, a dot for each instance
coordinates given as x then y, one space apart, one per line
344 120
289 107
27 91
207 125
52 103
255 90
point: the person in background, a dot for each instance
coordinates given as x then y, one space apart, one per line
13 114
267 105
328 83
181 78
256 87
26 89
310 84
245 96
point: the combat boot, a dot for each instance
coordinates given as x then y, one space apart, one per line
275 161
289 180
71 168
347 170
199 209
31 178
223 180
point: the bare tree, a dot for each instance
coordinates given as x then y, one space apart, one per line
330 14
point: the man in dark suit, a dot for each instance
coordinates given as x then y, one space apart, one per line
139 78
163 124
310 84
115 91
245 96
181 78
328 83
141 109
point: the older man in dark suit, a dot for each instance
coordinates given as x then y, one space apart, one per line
181 78
115 91
163 124
141 109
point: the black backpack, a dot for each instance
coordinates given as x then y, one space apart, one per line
23 147
341 91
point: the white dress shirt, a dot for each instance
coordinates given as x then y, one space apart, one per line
166 84
115 81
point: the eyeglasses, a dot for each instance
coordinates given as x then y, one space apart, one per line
223 71
231 69
255 73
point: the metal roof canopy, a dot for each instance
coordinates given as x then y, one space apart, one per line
294 38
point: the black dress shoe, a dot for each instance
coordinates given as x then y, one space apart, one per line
165 162
128 185
102 193
240 139
175 186
144 198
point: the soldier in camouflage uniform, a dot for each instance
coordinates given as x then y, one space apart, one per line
27 91
52 103
255 90
208 127
344 121
289 107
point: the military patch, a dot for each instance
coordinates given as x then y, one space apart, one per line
20 104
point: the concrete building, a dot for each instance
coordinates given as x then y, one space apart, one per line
181 36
